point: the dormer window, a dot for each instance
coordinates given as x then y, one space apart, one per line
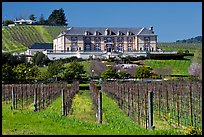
107 32
87 33
119 33
129 33
96 33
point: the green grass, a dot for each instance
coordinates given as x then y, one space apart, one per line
50 121
191 47
179 67
81 110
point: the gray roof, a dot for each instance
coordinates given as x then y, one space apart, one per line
41 46
101 30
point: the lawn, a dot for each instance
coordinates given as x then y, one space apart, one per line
179 67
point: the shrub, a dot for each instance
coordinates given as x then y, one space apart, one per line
142 72
192 131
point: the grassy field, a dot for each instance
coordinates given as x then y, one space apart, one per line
80 122
191 47
179 67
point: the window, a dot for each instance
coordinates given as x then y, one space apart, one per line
108 40
88 40
120 47
97 47
73 48
67 48
73 39
129 39
129 47
146 39
87 47
97 40
146 48
120 40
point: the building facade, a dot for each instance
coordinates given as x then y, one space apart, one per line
83 39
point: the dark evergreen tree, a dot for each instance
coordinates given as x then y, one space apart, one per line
57 18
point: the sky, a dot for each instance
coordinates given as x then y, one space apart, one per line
171 20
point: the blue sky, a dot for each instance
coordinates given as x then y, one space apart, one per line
171 20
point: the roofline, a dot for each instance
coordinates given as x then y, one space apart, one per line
140 31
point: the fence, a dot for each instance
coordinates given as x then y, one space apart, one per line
178 102
68 94
22 95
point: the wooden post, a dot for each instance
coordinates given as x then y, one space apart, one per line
150 110
99 107
35 99
13 98
63 106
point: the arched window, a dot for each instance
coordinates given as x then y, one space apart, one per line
120 40
97 40
109 40
87 47
129 39
146 39
87 40
129 47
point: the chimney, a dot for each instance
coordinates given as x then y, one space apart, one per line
151 29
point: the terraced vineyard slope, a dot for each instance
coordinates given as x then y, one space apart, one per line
18 38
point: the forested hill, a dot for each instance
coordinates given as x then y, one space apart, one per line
197 39
18 38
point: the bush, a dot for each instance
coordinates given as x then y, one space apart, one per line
192 131
142 72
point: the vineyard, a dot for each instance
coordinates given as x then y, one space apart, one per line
191 47
177 103
16 39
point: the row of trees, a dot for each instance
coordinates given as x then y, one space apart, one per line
57 18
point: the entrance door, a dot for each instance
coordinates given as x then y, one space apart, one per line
109 48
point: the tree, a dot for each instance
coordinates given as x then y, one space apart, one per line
32 17
73 71
57 17
122 74
54 69
40 59
7 73
20 72
7 22
108 74
42 20
32 73
142 72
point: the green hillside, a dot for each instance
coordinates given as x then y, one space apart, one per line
17 38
